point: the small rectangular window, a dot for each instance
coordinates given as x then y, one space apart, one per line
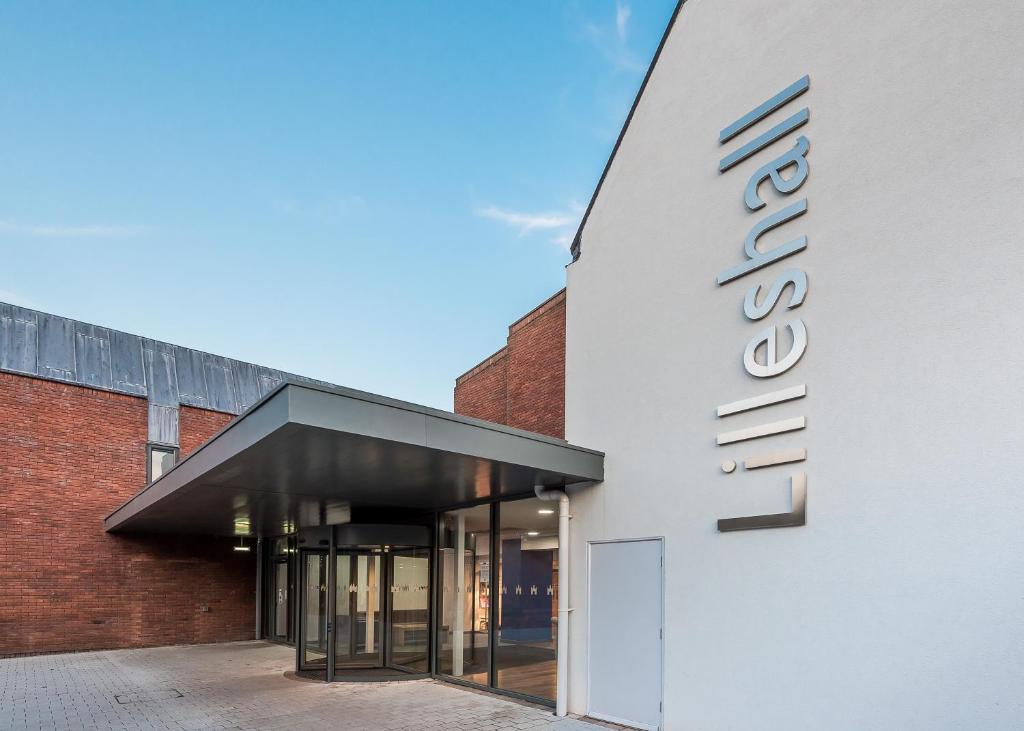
161 459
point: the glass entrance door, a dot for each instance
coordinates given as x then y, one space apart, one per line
409 609
357 638
313 627
369 611
280 630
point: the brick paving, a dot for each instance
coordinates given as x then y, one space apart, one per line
239 685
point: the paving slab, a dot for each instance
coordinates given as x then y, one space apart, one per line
238 686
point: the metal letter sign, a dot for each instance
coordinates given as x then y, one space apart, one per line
787 173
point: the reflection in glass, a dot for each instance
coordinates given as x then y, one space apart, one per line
527 573
161 460
357 606
280 601
465 597
410 608
314 640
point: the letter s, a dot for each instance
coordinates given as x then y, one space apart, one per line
796 277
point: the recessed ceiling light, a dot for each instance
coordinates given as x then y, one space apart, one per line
546 511
532 533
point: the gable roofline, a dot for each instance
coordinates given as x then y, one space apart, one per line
576 247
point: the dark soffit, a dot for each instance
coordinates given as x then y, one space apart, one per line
304 455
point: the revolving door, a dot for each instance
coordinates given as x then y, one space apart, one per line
364 611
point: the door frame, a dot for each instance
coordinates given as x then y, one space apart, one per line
300 606
350 553
273 563
387 625
661 645
332 553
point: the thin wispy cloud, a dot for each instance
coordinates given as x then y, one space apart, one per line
526 222
562 223
564 239
614 34
61 231
610 36
622 13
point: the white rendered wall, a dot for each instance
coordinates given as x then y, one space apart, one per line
900 605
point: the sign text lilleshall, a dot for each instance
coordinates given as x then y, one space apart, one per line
762 357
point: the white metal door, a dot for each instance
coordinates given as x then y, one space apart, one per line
625 632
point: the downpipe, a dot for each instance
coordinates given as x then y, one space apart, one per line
562 661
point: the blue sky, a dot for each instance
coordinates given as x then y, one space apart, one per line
366 193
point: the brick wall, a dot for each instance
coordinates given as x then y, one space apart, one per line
68 457
198 425
482 392
523 384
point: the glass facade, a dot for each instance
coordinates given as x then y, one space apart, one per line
527 614
357 609
493 609
313 646
280 601
498 596
464 603
278 589
373 612
409 615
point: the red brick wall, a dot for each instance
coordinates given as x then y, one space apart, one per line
536 369
482 393
68 457
195 426
523 384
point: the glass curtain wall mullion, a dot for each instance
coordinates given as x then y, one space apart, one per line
495 593
293 589
387 600
436 593
332 608
296 607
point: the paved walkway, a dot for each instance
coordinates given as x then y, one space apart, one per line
240 685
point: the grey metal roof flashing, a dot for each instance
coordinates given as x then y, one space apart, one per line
58 348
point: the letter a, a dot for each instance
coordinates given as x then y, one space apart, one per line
797 156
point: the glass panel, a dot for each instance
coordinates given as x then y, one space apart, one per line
281 600
343 611
528 602
160 462
410 604
314 641
282 546
464 555
357 638
368 636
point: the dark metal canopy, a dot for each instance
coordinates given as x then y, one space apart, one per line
309 455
